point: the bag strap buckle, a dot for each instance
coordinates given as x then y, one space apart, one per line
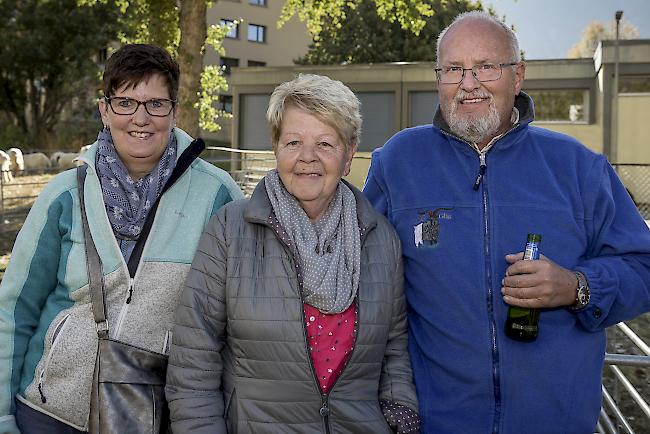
102 328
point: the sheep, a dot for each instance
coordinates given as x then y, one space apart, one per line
63 160
36 162
5 167
84 149
17 162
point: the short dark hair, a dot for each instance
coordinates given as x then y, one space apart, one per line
134 63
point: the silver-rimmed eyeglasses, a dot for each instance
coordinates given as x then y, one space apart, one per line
482 72
159 107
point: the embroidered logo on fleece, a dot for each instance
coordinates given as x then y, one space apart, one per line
426 232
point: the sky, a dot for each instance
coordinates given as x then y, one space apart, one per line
548 28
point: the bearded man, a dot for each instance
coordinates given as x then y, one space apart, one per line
463 193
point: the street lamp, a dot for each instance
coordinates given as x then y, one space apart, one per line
614 139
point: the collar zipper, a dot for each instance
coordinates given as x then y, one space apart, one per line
481 170
324 409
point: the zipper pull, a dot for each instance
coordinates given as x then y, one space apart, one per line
40 388
128 299
481 170
324 410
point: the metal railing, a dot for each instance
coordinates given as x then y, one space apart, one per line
613 418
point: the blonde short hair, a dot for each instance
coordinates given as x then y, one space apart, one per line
330 101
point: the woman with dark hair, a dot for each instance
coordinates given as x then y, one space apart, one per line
48 336
293 319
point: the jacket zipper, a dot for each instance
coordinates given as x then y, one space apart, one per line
57 332
490 301
482 154
481 170
324 409
124 309
129 293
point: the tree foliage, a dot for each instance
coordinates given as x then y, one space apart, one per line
597 31
180 26
363 36
48 63
409 14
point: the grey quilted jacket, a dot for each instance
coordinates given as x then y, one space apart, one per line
239 361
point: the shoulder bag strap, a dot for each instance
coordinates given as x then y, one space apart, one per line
93 262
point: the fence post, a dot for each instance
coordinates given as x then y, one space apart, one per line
2 201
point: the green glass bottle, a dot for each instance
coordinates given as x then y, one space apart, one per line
522 323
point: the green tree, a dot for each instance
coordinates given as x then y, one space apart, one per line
48 69
364 37
595 32
317 14
410 14
180 26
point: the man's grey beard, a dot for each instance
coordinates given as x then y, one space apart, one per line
474 130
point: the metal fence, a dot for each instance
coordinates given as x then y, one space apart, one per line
636 178
18 195
625 409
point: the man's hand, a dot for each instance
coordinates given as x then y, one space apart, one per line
537 283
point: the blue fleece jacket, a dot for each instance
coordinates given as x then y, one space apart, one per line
470 377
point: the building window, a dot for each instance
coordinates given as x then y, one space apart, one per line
233 33
256 33
225 103
256 63
567 105
257 2
633 84
227 63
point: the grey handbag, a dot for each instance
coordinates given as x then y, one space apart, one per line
128 390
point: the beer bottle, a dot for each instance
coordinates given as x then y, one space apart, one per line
522 322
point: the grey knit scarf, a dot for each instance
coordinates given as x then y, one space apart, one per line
329 250
128 201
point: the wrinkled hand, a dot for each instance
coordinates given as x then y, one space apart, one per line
537 283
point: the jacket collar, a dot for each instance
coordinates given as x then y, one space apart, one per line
523 103
258 208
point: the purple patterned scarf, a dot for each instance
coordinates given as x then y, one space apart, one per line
127 201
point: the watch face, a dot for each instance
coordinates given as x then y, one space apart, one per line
583 295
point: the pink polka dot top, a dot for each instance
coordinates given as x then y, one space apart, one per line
330 338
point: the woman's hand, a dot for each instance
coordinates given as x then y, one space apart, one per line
400 418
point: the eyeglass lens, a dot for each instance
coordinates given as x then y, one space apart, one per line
128 106
483 72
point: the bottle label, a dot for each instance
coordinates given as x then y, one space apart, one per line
526 328
531 251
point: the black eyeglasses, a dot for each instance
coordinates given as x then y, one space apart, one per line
158 107
482 72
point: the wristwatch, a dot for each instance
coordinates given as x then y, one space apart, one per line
582 292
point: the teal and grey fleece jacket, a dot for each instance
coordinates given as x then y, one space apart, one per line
48 340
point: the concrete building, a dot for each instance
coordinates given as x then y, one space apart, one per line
573 96
255 42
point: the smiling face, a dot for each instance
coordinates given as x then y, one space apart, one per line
311 159
140 139
478 111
